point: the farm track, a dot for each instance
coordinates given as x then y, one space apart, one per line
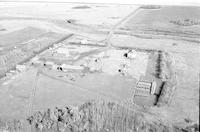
153 49
90 45
157 35
112 30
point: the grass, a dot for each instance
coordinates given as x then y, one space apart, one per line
18 37
168 75
100 116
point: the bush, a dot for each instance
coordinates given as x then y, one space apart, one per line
98 116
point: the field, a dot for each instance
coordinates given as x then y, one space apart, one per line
187 94
97 15
161 19
99 67
19 37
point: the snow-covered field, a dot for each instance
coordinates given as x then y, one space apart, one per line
94 15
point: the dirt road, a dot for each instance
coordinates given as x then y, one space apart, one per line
113 29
